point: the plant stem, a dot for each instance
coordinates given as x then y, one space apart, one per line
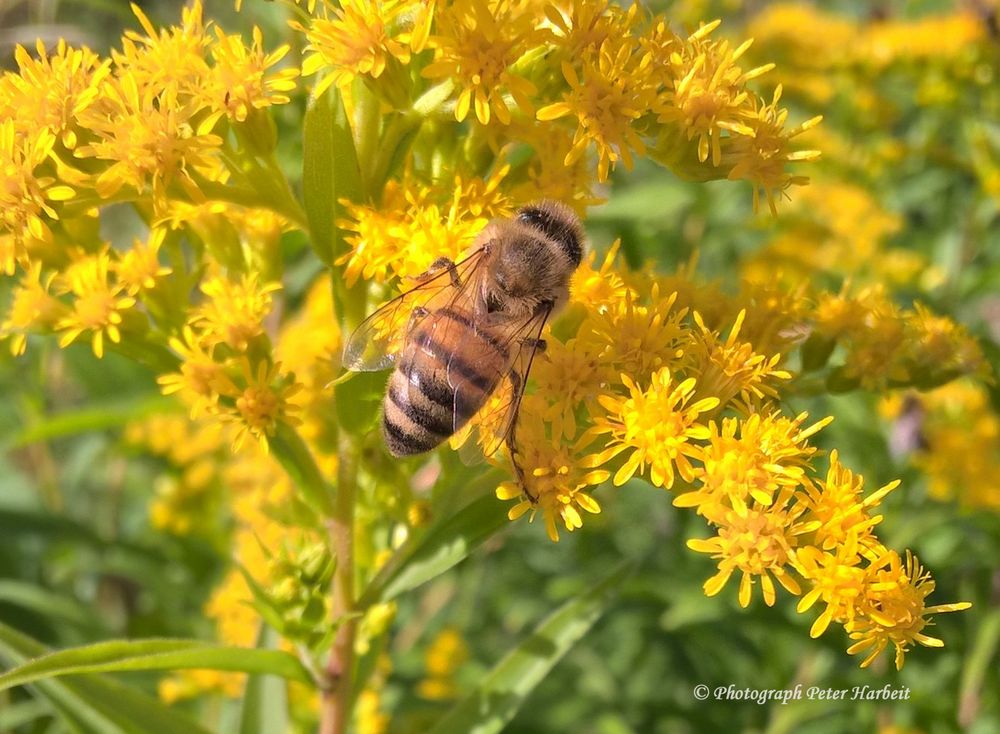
335 708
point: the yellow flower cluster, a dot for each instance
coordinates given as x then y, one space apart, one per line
458 112
167 123
938 427
579 83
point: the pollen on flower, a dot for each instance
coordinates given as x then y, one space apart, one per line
556 479
98 302
261 402
359 38
234 310
893 609
658 425
759 542
476 45
33 308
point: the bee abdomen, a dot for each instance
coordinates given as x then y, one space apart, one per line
411 427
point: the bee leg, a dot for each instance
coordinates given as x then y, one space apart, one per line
540 345
515 380
442 263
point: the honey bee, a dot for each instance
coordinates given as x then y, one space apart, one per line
468 331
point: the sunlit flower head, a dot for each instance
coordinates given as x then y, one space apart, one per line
98 302
658 425
52 90
893 609
33 308
476 44
758 542
750 461
151 140
234 311
243 77
27 194
261 402
555 478
606 96
360 38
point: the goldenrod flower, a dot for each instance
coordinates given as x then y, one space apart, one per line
234 311
606 95
169 59
837 578
762 157
708 92
138 268
98 303
361 38
842 515
33 308
200 379
152 140
476 45
636 339
555 478
732 368
759 542
26 194
893 609
770 455
52 90
445 654
604 287
241 76
657 424
261 403
955 417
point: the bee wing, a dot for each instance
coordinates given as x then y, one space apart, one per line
378 339
494 424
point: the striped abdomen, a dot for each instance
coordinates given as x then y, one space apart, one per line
445 373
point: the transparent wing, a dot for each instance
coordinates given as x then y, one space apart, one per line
379 338
495 422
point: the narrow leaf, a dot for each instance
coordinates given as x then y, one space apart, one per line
442 547
330 171
154 654
500 693
264 708
94 704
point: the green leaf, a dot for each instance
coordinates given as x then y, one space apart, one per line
296 459
816 352
22 712
500 693
49 605
443 546
981 652
95 704
330 172
155 654
357 401
264 708
95 417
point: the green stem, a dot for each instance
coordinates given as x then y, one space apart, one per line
367 120
335 708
